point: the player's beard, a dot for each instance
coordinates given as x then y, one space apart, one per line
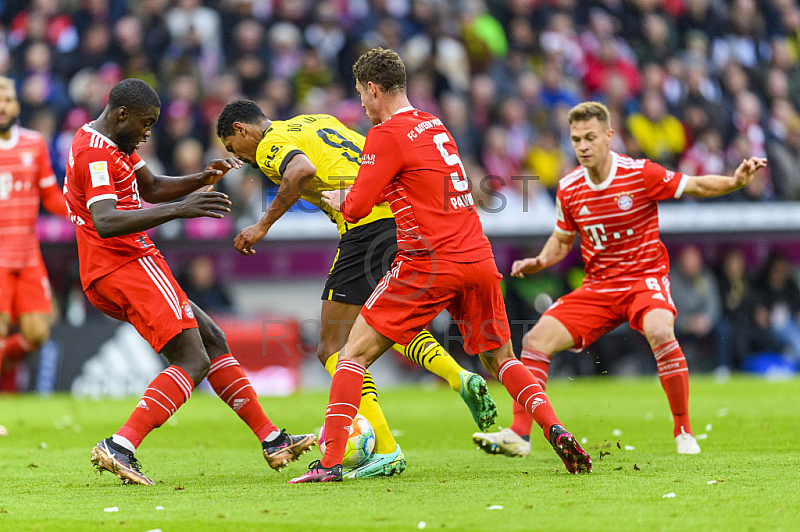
5 127
125 141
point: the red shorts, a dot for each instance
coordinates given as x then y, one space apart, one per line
413 292
595 309
25 290
144 293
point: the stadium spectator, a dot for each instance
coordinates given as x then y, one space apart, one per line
545 160
783 154
736 329
659 134
202 286
705 156
555 89
777 297
696 296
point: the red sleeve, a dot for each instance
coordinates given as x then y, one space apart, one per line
137 161
381 160
660 183
565 223
52 198
46 175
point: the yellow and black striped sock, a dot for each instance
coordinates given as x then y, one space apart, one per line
370 409
428 353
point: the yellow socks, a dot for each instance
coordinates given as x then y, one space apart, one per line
428 353
370 409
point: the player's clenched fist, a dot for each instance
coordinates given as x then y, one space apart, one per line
523 267
204 202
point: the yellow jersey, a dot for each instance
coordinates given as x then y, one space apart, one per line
333 148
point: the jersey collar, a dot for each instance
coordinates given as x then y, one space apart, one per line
89 129
607 182
403 110
11 142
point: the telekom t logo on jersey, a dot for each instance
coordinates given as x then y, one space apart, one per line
597 233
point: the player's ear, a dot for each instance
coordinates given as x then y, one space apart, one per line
122 113
239 128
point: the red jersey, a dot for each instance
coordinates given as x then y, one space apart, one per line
412 162
98 170
26 176
618 219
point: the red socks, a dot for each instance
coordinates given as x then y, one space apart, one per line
232 385
539 365
674 376
168 391
343 405
527 392
16 347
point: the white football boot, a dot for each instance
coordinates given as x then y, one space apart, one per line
505 442
686 443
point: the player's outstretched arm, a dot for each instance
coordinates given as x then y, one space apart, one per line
710 186
110 222
298 177
554 250
158 189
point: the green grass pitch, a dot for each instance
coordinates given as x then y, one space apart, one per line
211 476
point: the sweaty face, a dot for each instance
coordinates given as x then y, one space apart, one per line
591 140
9 108
136 129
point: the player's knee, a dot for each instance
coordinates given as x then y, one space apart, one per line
659 334
36 334
322 352
215 341
194 362
537 340
198 368
329 344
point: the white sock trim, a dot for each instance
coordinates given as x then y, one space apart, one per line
123 442
272 435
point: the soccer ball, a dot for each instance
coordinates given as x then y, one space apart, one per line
360 443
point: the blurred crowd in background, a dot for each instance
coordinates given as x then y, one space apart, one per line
693 84
696 85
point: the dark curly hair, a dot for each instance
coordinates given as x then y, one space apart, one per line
134 94
384 68
244 111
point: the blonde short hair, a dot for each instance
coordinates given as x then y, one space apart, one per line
587 110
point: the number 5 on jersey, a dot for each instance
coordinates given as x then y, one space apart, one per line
460 182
